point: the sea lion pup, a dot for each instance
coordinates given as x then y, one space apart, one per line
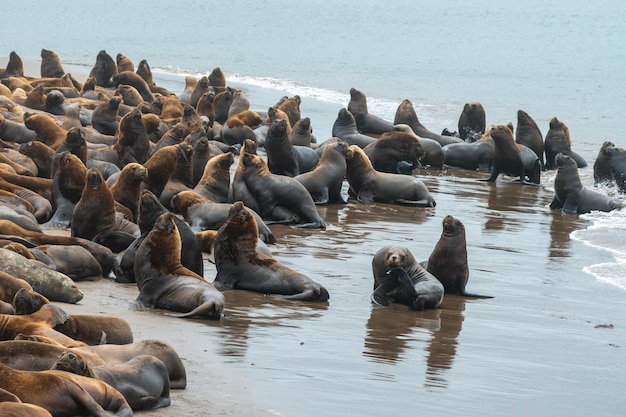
283 158
15 66
48 131
528 134
395 152
104 70
448 260
324 183
240 266
64 393
202 214
215 182
124 63
513 159
558 141
39 323
399 278
602 167
369 185
150 210
345 128
126 190
280 198
366 123
104 117
570 195
472 122
165 283
405 114
143 380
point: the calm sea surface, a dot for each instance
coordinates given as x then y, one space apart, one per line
532 350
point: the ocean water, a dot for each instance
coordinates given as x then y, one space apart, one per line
533 350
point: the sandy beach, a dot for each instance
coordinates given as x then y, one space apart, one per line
549 343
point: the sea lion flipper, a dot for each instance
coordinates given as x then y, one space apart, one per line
555 204
380 296
365 197
53 315
569 207
404 280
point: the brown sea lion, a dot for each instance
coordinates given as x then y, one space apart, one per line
124 63
215 182
558 141
239 190
42 186
513 159
143 380
181 179
42 207
528 134
104 70
201 87
291 106
571 197
94 213
129 94
448 260
369 185
28 301
171 110
15 66
395 152
36 99
240 103
127 188
48 131
205 107
161 166
12 406
164 282
190 85
325 182
617 163
472 121
67 187
10 285
602 166
240 266
405 114
280 198
399 278
130 78
221 105
346 129
366 122
217 79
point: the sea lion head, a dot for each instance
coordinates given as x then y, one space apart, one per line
73 362
564 162
452 226
185 199
501 133
395 257
94 178
134 172
27 301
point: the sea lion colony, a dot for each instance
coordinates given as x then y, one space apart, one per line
136 171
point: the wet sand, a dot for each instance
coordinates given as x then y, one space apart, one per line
550 342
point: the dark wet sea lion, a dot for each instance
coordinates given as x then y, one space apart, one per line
475 155
104 70
513 159
399 278
67 187
366 123
570 195
325 182
617 162
448 260
50 64
129 94
94 213
41 206
346 129
164 282
405 114
143 380
369 185
280 198
558 141
602 166
240 266
104 117
472 121
217 79
301 133
72 260
201 87
395 152
240 103
15 66
528 134
283 158
238 189
124 63
13 131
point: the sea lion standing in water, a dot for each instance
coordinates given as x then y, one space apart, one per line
399 278
366 123
324 183
528 134
472 121
558 141
405 114
240 266
513 159
602 166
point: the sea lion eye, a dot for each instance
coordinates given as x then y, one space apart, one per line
71 356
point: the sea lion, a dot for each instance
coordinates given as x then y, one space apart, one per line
75 143
345 128
283 158
301 133
240 266
617 163
448 260
476 155
221 105
129 95
217 79
202 214
602 166
171 109
513 159
144 71
291 106
10 285
190 84
369 185
238 189
15 66
164 282
124 63
72 260
280 198
201 155
16 214
48 131
12 406
205 107
395 152
67 187
239 127
325 182
143 380
558 141
201 87
42 186
150 210
528 134
28 301
104 116
472 122
405 114
161 166
366 122
126 190
181 179
215 182
130 78
51 284
16 132
399 278
104 70
239 104
42 209
570 195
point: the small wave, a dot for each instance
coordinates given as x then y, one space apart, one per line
613 273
